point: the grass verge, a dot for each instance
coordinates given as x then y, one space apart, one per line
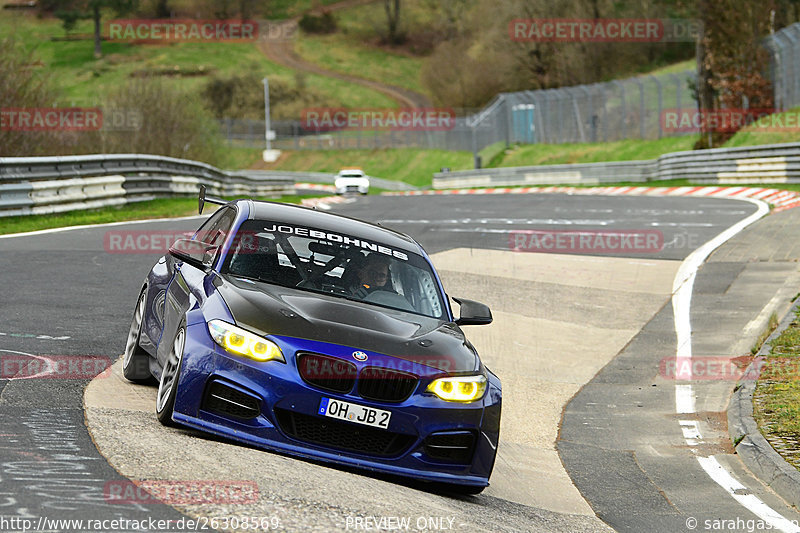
560 154
773 323
354 49
411 165
72 66
763 131
776 401
159 208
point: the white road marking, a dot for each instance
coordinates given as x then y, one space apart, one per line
105 224
753 325
544 221
691 432
725 480
48 362
684 393
684 399
682 224
34 336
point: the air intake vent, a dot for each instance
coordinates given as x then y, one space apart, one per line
455 446
224 400
342 435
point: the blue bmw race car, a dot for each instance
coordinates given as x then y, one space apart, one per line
320 336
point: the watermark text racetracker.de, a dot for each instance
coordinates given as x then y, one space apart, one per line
562 30
586 241
371 119
78 119
18 366
141 241
50 119
202 523
720 368
181 492
688 120
174 30
160 241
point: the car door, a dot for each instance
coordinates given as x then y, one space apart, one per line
186 286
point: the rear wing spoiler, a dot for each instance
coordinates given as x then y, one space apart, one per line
203 199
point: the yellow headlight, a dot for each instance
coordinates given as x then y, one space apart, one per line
242 342
459 389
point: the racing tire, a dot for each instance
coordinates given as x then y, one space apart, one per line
170 375
136 361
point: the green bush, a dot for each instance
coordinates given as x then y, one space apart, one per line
168 122
243 97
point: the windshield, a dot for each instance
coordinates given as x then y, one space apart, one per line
340 265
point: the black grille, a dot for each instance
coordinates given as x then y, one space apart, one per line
342 435
385 385
456 446
219 398
325 372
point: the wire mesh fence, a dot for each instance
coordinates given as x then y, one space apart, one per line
632 108
784 69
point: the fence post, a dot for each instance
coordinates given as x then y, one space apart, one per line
560 102
588 98
537 117
507 105
641 106
660 105
773 46
787 71
623 111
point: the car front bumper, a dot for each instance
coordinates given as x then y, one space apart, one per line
420 427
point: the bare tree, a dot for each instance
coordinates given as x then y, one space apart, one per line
93 9
21 86
731 61
392 8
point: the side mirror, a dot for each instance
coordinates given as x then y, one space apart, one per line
473 313
196 253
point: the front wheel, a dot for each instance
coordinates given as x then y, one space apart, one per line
136 361
168 384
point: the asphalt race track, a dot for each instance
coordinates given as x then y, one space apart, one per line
591 439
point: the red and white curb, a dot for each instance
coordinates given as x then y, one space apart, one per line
780 199
325 202
314 187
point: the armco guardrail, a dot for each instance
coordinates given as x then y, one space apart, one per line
44 185
582 174
774 163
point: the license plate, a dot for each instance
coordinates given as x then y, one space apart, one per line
351 412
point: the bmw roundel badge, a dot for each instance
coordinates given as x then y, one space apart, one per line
359 356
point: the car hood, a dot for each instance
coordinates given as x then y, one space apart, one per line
273 310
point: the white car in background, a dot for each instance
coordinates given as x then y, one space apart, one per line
351 180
